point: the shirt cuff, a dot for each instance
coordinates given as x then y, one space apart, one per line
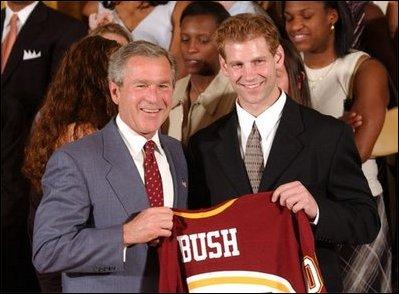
316 219
124 254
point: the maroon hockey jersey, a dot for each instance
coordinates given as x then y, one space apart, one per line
247 244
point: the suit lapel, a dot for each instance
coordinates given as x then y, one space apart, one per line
123 175
173 171
29 32
285 146
227 152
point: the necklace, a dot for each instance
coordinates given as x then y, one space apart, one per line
313 82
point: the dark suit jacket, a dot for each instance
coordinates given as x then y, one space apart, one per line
17 272
315 149
46 31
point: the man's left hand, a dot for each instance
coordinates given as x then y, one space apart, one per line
295 197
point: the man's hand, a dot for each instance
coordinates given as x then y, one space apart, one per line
148 225
295 197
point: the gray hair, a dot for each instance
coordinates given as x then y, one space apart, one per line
118 60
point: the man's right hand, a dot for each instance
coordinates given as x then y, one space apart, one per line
148 225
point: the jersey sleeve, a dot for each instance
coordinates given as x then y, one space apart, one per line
170 270
310 266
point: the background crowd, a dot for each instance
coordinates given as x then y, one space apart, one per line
340 59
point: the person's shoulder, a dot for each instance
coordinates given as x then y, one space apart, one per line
322 125
170 141
372 11
181 87
85 146
211 132
62 20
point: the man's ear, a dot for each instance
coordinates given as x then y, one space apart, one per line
279 57
223 65
114 90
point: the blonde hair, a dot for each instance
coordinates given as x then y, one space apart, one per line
246 26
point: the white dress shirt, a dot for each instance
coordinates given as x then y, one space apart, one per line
267 123
135 143
23 15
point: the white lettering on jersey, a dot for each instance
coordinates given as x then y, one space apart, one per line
214 244
184 244
232 242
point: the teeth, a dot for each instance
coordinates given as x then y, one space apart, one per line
251 86
150 110
299 37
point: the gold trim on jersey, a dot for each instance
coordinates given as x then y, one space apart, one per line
243 281
240 280
208 213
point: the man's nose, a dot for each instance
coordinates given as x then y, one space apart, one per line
152 93
249 72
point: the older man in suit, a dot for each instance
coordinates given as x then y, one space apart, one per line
269 142
107 197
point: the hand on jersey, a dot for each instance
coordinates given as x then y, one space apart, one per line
295 197
148 225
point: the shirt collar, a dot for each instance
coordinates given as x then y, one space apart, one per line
136 141
23 14
207 98
265 122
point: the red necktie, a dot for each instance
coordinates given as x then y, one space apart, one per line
9 41
152 177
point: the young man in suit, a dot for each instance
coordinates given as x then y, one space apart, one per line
95 223
41 36
269 142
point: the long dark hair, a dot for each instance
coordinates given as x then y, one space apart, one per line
298 82
343 27
78 95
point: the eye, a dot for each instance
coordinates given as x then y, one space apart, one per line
204 40
141 85
307 14
236 65
164 86
184 39
259 61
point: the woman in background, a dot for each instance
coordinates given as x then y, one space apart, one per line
157 22
339 80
